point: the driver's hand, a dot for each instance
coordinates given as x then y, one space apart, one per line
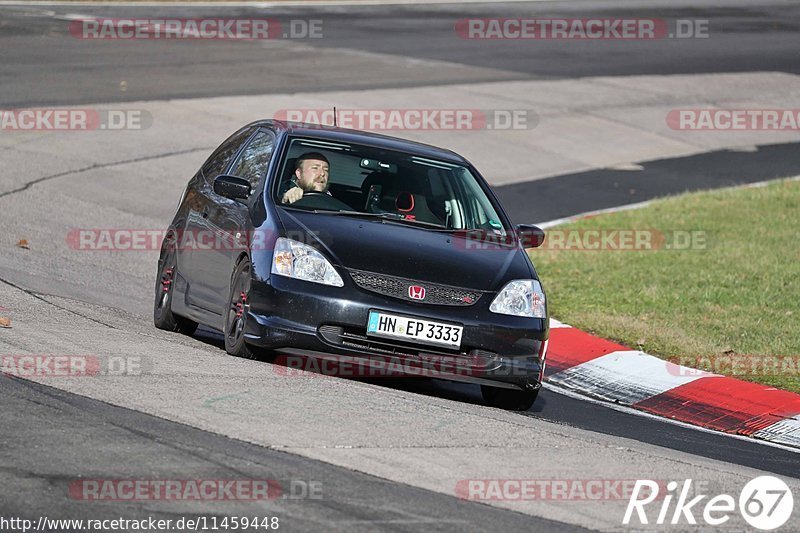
292 195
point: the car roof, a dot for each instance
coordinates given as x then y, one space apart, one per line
331 133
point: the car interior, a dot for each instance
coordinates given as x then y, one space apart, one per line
383 182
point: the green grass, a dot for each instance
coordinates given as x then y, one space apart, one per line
736 298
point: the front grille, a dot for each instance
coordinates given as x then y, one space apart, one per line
435 294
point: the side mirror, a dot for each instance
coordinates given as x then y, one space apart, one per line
232 187
530 236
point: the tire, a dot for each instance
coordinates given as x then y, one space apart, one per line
163 317
510 399
235 319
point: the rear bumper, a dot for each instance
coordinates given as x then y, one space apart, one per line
302 320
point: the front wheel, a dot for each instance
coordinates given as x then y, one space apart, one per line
237 312
510 399
163 317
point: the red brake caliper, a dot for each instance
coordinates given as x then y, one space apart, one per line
166 279
240 305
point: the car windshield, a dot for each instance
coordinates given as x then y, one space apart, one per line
356 180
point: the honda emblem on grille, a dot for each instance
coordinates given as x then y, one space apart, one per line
415 292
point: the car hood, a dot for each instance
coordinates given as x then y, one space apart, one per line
404 251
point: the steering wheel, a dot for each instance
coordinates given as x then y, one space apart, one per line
321 200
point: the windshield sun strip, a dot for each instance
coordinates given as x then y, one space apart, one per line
433 163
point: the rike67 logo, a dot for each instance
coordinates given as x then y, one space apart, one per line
765 503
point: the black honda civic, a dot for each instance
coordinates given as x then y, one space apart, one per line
320 242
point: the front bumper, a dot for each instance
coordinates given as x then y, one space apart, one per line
303 319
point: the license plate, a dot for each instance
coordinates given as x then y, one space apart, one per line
414 329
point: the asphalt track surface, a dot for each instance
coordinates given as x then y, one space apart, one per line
352 501
607 188
45 429
43 65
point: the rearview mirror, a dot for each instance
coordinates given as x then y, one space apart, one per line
530 236
232 187
379 166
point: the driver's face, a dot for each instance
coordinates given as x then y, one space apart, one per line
312 175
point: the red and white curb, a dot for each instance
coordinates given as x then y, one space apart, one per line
602 369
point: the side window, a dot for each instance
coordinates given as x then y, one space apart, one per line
216 164
254 160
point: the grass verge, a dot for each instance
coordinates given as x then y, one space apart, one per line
718 289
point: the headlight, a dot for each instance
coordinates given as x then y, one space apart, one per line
521 297
297 260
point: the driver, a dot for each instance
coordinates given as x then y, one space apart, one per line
310 175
